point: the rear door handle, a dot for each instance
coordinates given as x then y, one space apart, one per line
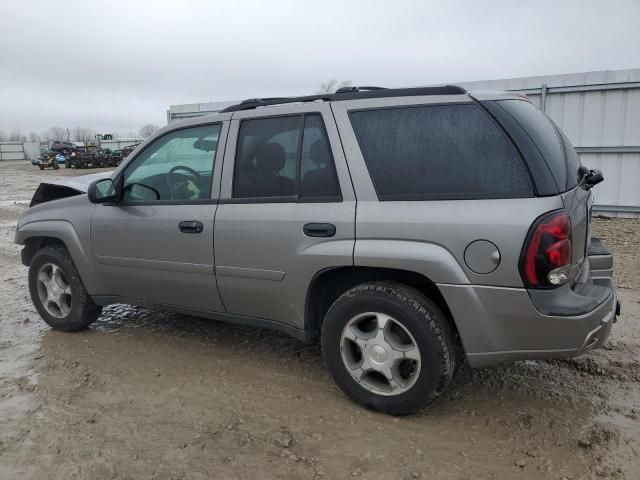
319 230
190 226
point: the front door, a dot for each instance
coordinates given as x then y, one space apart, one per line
156 243
287 211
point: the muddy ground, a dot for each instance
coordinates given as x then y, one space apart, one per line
151 395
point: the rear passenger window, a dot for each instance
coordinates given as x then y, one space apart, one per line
285 157
266 157
440 152
317 171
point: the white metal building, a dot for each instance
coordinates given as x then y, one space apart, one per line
599 112
190 110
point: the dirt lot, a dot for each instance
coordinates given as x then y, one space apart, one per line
150 395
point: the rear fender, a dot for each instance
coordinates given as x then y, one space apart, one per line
428 259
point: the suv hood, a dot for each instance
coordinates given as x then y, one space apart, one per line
65 187
80 183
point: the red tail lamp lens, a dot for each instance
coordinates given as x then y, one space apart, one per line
548 248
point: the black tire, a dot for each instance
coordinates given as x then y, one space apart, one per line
41 167
83 311
420 316
55 165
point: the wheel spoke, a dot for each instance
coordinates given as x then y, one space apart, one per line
64 308
44 278
383 322
410 352
390 375
355 336
358 372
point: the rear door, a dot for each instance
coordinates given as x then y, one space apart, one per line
287 210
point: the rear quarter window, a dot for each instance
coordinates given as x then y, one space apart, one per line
440 152
555 147
573 161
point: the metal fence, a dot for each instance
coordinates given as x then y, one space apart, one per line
600 113
12 151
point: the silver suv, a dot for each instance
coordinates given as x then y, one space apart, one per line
404 229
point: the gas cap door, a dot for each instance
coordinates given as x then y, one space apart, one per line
482 256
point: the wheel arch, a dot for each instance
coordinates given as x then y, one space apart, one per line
327 285
39 234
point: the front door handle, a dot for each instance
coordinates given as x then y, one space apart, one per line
319 229
190 226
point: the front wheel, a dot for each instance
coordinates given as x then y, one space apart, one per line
388 347
58 293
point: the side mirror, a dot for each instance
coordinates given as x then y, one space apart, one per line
102 191
594 178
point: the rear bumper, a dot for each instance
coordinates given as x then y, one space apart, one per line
500 324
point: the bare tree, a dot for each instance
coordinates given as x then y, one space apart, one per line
330 86
148 130
3 136
16 136
83 134
34 137
58 133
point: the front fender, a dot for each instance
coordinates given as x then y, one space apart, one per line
64 231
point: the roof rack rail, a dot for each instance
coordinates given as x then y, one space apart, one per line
267 99
358 89
349 93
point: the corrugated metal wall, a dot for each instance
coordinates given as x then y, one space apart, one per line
600 113
11 151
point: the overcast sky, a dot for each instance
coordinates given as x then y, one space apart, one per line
115 65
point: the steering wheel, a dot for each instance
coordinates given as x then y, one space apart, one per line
185 188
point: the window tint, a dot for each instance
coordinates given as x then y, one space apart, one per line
266 158
317 171
573 161
177 166
439 152
284 157
545 135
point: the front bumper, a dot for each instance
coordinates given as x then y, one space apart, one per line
500 324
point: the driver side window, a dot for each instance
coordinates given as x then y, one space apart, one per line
177 166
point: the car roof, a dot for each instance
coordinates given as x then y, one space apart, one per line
344 94
348 93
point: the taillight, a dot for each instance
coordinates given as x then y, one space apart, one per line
546 259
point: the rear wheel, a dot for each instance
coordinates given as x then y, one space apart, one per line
58 293
55 165
388 347
41 167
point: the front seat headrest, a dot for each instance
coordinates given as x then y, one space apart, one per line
270 158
